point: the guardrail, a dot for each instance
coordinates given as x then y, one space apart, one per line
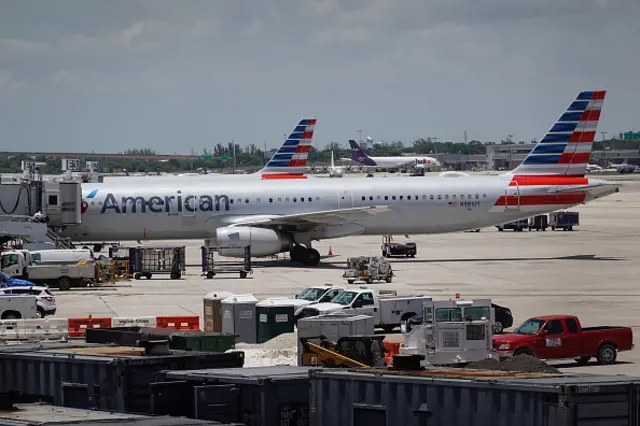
56 328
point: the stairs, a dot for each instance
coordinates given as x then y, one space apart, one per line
26 229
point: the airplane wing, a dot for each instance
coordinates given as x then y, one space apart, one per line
310 220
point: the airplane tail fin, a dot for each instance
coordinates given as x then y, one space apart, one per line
358 155
566 148
332 163
291 157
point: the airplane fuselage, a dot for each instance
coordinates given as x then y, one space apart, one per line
195 208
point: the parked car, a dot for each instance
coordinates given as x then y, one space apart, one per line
45 301
562 336
503 319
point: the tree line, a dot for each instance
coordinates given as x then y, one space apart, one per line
221 156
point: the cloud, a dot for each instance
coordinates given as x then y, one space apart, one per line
8 83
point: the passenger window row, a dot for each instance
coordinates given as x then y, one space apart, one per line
424 197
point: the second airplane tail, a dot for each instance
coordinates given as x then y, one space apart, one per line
359 156
566 148
291 157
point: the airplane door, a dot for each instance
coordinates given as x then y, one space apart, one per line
345 200
512 197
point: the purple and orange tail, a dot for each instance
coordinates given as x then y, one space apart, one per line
291 158
566 148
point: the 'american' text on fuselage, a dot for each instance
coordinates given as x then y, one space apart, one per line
165 204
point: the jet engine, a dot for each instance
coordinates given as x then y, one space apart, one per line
263 241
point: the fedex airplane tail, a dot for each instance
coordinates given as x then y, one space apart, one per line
359 156
291 158
566 148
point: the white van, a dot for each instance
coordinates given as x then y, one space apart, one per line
61 256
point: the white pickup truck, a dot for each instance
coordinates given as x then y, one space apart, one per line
64 276
388 311
18 307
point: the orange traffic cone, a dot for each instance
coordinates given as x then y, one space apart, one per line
330 252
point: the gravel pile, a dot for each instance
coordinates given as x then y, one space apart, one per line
518 363
281 350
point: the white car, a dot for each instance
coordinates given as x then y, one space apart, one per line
44 298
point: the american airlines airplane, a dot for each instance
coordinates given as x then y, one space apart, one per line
277 215
359 156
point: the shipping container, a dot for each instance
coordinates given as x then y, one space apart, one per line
260 396
93 376
187 340
376 398
45 414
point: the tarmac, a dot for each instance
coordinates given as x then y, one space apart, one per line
591 272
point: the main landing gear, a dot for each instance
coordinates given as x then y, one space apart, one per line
306 256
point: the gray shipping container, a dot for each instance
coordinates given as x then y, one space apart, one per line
349 398
259 396
239 317
45 414
95 376
333 327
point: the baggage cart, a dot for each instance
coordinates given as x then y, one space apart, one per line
539 222
211 266
391 248
144 261
564 220
368 269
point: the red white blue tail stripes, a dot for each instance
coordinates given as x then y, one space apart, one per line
292 156
566 148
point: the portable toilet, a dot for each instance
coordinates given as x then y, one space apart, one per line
275 317
239 317
213 310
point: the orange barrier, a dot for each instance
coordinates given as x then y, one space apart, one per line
179 323
391 349
77 326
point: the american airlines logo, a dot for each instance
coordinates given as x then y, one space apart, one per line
164 204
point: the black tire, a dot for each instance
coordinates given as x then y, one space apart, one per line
148 275
500 229
583 360
41 312
350 281
369 280
388 279
243 274
64 284
210 274
310 257
524 351
607 354
137 275
11 315
175 275
498 327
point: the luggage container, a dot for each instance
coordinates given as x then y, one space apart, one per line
239 317
211 267
144 261
539 222
333 327
95 376
564 220
213 310
259 396
45 415
275 317
186 340
377 398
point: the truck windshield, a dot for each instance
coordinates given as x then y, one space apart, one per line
344 298
530 327
310 293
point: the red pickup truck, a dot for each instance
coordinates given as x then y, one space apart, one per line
562 336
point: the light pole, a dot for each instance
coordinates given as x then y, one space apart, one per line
360 137
604 150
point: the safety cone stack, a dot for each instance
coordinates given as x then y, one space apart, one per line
330 252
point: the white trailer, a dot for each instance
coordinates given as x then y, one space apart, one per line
388 311
18 307
63 275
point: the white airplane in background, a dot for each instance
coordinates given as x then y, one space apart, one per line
335 171
289 161
275 216
359 156
593 168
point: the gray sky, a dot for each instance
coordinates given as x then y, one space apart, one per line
175 75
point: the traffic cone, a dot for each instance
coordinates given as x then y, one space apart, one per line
330 252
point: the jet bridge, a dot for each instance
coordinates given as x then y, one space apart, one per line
34 210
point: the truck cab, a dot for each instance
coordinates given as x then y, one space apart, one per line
14 263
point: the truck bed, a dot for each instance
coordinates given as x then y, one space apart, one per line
603 328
